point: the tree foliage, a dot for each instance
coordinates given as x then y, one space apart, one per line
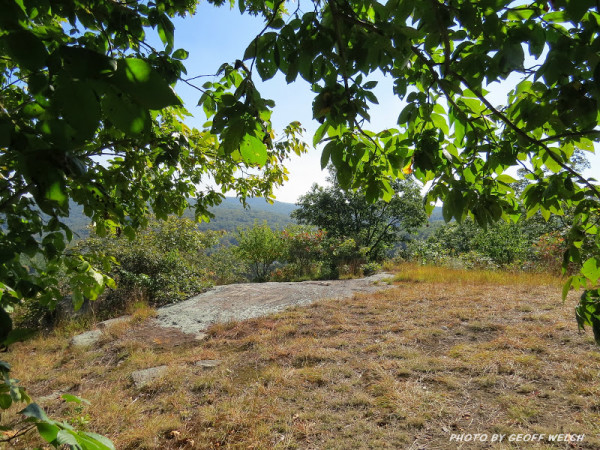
259 246
377 226
80 82
444 57
88 114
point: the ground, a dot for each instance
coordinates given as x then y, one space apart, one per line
443 352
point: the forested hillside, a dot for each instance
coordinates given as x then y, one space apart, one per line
229 215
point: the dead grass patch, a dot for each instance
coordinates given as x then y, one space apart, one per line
445 352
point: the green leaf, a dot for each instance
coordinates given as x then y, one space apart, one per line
100 442
504 178
68 437
48 432
80 106
566 288
325 156
344 175
591 270
137 78
447 211
5 401
439 122
34 411
18 335
166 31
26 49
83 63
127 116
181 54
6 325
74 399
253 151
319 133
577 9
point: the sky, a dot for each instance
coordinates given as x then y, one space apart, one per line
214 36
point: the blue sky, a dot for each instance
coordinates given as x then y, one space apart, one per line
214 36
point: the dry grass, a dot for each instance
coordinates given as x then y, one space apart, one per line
445 352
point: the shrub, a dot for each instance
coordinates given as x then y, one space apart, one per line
259 247
224 266
167 262
370 268
549 251
304 251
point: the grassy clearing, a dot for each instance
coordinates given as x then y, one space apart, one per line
445 352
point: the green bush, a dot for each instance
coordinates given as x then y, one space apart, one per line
259 247
224 266
166 263
370 268
303 251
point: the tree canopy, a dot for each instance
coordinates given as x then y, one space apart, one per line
88 114
444 57
376 226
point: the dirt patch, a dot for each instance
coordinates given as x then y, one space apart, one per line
160 337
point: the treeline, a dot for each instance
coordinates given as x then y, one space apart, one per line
330 233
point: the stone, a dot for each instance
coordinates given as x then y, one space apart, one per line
208 363
141 378
86 339
111 322
66 311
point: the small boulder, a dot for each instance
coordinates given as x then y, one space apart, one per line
208 363
86 339
111 322
141 378
201 336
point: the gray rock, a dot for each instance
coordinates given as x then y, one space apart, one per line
208 363
86 339
248 300
48 398
141 378
111 322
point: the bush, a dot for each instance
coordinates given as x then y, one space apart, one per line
549 252
370 268
224 266
259 247
426 252
166 263
303 251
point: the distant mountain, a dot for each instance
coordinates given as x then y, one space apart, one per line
436 215
229 215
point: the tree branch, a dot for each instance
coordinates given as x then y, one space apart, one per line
526 136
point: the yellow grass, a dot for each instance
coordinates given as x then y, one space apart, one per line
443 352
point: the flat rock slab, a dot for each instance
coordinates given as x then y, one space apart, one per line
249 300
141 378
